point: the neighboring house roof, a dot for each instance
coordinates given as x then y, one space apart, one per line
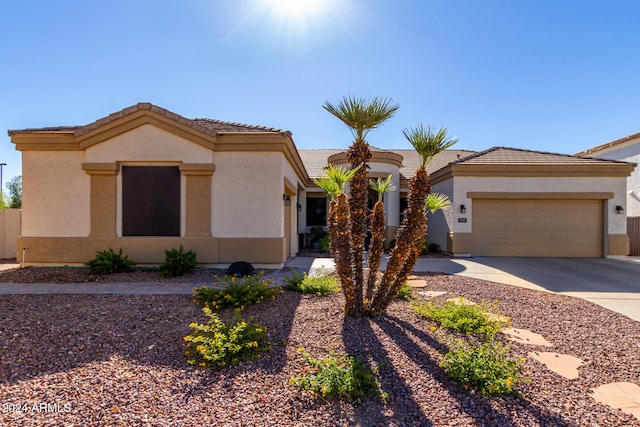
506 155
208 126
612 144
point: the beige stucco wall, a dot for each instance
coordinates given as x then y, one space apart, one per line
148 143
445 225
247 195
54 185
391 199
628 152
617 224
9 232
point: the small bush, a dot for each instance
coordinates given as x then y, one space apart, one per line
178 262
292 281
406 291
219 344
236 292
319 285
429 248
325 244
485 366
464 318
340 376
109 262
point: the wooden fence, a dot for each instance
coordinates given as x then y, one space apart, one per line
633 230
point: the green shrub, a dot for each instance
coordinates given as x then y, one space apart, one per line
218 344
340 376
292 281
236 292
109 262
406 291
325 244
178 262
322 285
485 366
429 248
464 318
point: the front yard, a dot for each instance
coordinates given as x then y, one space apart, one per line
119 360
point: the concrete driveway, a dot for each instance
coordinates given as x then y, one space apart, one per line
611 283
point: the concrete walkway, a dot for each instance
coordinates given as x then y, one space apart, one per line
613 283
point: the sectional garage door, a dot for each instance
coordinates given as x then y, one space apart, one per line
538 228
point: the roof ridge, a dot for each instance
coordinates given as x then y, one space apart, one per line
609 144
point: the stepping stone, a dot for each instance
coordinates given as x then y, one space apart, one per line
430 294
524 336
564 365
461 301
624 396
417 283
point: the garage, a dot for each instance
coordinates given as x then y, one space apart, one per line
538 227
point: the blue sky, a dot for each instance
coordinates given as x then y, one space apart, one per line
556 75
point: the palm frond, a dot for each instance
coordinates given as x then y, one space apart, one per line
335 178
382 186
360 114
428 142
436 201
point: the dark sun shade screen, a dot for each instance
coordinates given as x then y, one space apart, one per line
150 201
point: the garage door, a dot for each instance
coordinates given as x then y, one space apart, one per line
540 228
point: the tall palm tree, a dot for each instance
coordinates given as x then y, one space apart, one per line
410 236
377 226
360 115
333 182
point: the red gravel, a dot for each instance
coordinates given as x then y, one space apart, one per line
118 360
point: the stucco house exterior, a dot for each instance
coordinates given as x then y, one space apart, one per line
145 179
625 149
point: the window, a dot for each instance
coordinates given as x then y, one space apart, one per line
150 201
316 211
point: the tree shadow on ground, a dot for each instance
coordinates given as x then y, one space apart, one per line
481 410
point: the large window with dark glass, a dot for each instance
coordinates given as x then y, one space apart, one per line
316 211
150 201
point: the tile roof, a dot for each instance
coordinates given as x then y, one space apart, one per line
517 156
609 144
316 159
208 126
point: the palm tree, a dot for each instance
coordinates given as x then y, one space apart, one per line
377 227
402 259
333 183
360 116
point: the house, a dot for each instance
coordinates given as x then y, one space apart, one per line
505 201
625 149
145 179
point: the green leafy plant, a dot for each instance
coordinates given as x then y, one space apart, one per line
109 262
236 292
406 291
321 285
219 344
178 262
429 248
461 317
292 281
485 366
340 376
325 244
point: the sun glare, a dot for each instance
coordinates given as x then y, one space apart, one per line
295 16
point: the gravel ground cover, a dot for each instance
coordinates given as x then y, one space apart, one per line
94 360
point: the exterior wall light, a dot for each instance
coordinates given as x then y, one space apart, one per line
463 209
299 207
619 210
287 200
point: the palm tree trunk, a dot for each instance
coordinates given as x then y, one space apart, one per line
409 239
341 250
359 154
376 248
